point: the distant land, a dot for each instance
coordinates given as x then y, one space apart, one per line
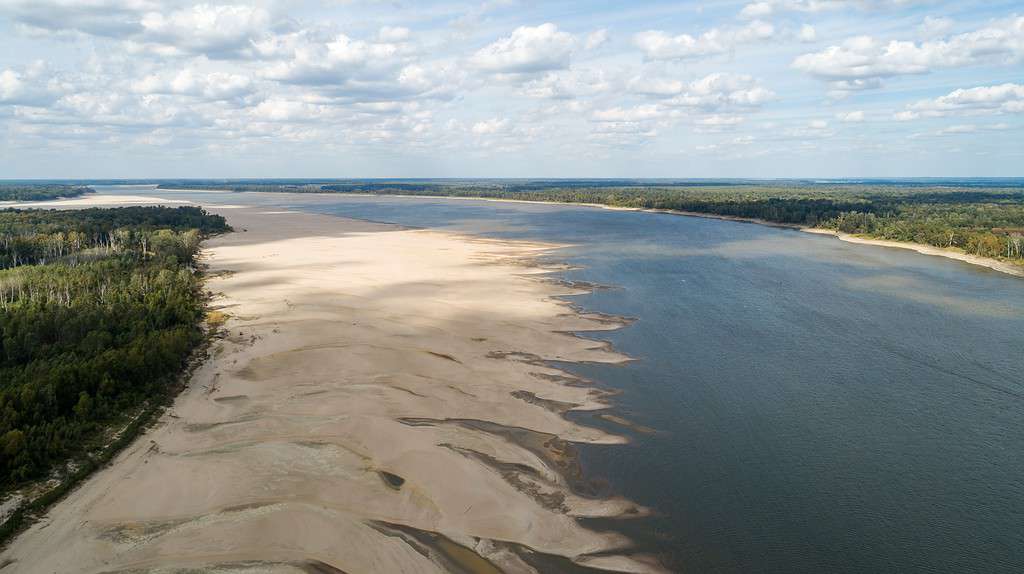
978 220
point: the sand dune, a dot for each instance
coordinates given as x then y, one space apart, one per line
379 403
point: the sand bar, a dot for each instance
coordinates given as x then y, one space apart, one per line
378 403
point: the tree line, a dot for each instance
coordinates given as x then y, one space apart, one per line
39 191
99 310
983 220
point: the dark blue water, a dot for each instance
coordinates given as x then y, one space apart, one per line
820 406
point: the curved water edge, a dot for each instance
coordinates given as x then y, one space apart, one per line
820 406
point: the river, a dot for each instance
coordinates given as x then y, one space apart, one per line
818 406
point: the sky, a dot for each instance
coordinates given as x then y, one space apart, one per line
511 88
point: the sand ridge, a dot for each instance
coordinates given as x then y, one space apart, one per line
379 403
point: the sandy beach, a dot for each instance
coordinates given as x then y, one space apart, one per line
994 264
378 402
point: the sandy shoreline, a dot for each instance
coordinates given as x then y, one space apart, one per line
988 262
380 403
994 264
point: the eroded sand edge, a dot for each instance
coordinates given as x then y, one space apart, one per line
380 403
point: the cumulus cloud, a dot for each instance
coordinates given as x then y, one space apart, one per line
813 129
863 61
228 74
216 31
658 45
311 62
112 18
1002 98
634 114
115 110
712 92
595 39
529 49
807 33
283 110
212 86
32 86
851 117
490 126
719 120
393 34
569 84
935 27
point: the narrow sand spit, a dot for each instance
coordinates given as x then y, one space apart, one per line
379 403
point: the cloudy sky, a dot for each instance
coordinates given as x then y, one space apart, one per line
511 88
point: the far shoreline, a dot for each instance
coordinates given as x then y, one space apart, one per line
987 262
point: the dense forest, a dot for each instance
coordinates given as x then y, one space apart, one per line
99 310
982 219
39 192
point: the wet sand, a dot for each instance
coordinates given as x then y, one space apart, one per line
378 402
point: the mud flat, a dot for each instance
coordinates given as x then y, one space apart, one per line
379 402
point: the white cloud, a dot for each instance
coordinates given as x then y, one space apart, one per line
712 92
212 86
568 84
757 10
935 27
527 50
658 45
851 117
490 126
719 120
281 110
216 31
595 39
813 129
113 18
807 33
33 86
1002 98
11 86
634 114
863 61
393 34
764 8
229 77
312 62
959 129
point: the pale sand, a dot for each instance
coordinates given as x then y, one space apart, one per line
994 264
988 262
356 349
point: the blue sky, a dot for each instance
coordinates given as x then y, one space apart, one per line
510 88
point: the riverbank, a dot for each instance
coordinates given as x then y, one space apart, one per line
994 264
381 402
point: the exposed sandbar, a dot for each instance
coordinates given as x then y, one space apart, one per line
378 403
